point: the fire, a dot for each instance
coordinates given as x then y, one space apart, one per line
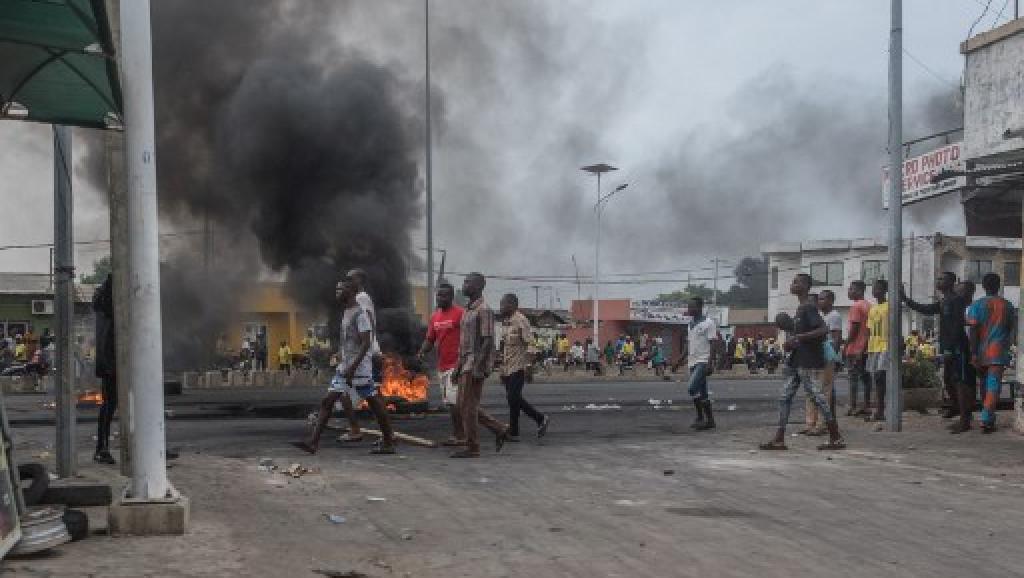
90 397
400 382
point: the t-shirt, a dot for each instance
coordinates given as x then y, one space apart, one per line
858 314
444 334
834 322
699 335
355 321
809 354
563 346
992 320
878 325
364 301
284 355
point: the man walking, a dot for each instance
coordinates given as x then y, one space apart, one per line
476 360
856 348
951 309
878 346
443 335
833 341
992 321
699 356
358 277
805 337
284 357
355 373
515 342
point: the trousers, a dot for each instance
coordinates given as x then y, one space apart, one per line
514 384
469 406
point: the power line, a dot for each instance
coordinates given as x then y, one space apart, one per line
927 69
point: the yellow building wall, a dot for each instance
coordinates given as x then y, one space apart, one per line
267 304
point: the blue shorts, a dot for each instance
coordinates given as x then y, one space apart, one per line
698 388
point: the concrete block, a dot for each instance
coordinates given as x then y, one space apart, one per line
240 378
278 378
301 378
214 379
190 379
260 379
149 519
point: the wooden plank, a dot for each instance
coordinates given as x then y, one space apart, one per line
404 437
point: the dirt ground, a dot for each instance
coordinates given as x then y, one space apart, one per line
609 493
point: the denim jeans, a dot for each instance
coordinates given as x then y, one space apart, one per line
859 377
698 388
806 379
514 392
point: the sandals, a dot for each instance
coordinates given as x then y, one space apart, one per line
350 438
383 450
837 444
773 446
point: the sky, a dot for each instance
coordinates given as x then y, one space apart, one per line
733 123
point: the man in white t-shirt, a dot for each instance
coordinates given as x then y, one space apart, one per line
699 355
834 340
354 378
359 278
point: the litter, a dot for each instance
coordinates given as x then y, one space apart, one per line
484 480
298 470
669 472
375 499
629 503
266 465
654 401
406 534
603 406
335 518
43 455
731 407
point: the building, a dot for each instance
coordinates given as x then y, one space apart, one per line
833 264
26 305
994 130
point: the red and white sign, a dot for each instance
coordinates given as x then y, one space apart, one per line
919 175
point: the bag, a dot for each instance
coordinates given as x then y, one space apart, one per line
830 353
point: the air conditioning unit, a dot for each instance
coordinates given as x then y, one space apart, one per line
42 307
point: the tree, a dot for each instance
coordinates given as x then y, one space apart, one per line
100 269
749 290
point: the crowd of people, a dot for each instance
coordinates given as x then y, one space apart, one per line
624 353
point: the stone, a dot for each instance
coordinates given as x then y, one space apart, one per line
149 518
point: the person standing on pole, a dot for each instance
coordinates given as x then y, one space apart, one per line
515 342
805 337
856 348
699 355
951 309
443 335
476 360
106 367
992 322
879 346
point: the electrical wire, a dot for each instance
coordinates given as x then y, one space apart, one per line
970 31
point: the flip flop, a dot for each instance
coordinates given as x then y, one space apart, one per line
304 446
773 446
838 444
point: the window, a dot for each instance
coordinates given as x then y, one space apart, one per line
775 277
977 269
827 274
1011 273
872 271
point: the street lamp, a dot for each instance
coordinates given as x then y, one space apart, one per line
599 169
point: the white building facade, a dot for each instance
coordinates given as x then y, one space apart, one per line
834 264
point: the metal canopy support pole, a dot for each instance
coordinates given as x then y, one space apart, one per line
597 262
894 399
64 270
429 167
145 349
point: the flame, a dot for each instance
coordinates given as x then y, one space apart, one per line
400 382
90 396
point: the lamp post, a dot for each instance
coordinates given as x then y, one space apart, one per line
599 169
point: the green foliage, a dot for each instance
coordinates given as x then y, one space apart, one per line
749 291
920 373
100 269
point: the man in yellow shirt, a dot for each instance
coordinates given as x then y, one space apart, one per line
20 350
878 346
284 357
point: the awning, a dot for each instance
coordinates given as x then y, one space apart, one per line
57 63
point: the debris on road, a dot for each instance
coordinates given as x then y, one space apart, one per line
602 407
404 437
731 407
266 465
340 573
375 499
298 470
335 518
407 534
668 472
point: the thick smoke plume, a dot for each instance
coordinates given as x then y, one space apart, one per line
302 153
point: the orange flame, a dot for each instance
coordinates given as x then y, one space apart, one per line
400 382
90 396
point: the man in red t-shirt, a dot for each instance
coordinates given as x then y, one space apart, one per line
857 346
443 333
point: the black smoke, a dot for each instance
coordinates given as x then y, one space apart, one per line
301 152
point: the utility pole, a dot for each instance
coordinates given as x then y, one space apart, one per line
714 293
598 170
64 267
145 347
894 406
429 162
579 295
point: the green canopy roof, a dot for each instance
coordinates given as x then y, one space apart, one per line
57 63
